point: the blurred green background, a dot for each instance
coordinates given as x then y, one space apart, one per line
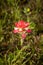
11 53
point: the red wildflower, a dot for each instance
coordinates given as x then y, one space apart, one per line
22 27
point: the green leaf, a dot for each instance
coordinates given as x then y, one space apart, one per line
32 25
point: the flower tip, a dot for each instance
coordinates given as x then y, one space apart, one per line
23 36
29 30
15 31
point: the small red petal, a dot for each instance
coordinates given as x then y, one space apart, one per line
26 24
15 31
23 36
29 31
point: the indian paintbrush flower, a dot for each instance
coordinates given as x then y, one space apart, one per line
21 28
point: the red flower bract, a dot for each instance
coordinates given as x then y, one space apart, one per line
29 31
23 35
21 24
15 31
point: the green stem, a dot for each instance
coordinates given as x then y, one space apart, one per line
21 41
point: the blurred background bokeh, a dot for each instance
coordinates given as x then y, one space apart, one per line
11 53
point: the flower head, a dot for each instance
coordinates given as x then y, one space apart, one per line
22 27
